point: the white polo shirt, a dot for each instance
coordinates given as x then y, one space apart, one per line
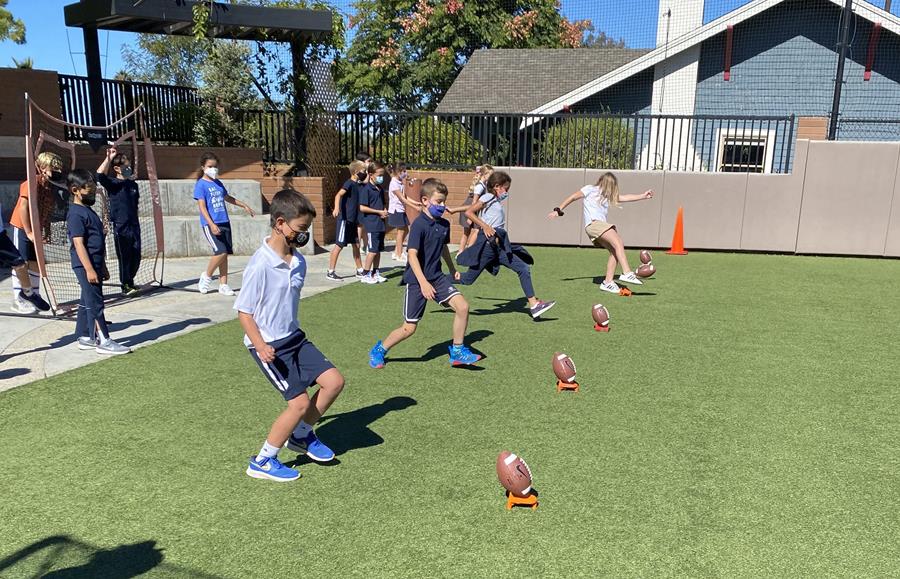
269 285
595 206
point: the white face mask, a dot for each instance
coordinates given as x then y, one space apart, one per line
211 172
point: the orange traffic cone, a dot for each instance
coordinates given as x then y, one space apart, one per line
678 237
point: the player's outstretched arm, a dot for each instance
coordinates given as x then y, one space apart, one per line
629 198
566 202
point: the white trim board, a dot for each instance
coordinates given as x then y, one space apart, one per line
694 38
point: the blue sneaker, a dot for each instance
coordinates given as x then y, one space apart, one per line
462 356
270 468
311 446
376 355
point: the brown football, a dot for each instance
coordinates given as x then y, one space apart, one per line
564 367
645 256
645 270
600 314
514 474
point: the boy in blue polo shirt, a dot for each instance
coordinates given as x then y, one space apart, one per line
267 309
424 280
211 197
346 215
123 194
372 215
88 252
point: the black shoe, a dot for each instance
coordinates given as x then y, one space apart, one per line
36 300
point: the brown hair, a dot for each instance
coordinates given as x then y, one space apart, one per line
432 186
497 179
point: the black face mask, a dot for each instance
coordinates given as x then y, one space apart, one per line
89 200
299 240
361 176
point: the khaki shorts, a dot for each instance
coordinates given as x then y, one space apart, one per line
596 229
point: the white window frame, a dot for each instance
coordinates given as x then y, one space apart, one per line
765 136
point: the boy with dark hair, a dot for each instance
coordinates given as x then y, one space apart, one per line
267 309
373 213
123 194
424 279
88 252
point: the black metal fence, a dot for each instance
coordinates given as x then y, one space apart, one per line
576 140
868 129
169 111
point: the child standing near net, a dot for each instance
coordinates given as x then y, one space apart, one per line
11 258
88 253
596 200
267 309
122 191
476 190
211 197
48 167
346 214
397 204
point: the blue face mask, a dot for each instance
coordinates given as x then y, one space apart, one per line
502 197
436 211
379 180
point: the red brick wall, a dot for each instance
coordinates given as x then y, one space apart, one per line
41 85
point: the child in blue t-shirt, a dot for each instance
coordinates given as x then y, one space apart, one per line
211 197
123 194
424 279
88 252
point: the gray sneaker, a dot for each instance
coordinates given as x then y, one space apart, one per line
86 343
112 348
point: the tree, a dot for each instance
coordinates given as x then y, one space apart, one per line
406 53
591 142
10 28
226 86
161 59
26 62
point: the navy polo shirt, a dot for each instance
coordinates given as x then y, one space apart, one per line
349 208
123 199
428 237
81 221
372 196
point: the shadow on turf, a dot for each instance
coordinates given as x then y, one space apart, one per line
443 349
62 557
350 430
599 278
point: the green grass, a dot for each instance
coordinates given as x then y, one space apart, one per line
741 419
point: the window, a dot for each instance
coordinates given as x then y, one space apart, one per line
745 151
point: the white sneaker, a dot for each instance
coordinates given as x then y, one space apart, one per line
203 284
368 279
400 258
86 343
112 348
630 278
380 278
610 287
21 306
225 289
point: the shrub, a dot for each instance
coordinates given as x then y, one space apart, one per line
587 142
427 142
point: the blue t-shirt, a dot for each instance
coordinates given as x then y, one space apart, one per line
213 194
349 208
82 222
428 237
372 197
123 199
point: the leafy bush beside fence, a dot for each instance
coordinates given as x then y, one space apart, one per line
591 143
427 142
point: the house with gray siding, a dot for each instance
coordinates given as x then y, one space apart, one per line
767 58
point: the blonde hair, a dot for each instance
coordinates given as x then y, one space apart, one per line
48 160
481 172
609 188
356 167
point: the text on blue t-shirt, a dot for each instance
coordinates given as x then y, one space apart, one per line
213 194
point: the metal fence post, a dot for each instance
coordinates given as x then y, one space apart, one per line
846 14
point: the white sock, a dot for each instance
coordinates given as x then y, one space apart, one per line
302 430
330 271
267 451
360 270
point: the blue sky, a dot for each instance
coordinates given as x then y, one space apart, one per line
55 47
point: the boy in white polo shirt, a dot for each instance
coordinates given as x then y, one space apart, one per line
267 309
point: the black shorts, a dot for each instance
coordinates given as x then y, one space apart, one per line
375 241
345 233
297 365
414 302
23 245
221 243
463 220
9 255
398 220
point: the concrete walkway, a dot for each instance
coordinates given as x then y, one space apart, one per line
35 347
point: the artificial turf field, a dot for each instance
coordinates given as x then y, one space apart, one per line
741 419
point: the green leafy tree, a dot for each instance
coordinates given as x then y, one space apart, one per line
10 28
406 53
585 142
226 87
428 142
174 60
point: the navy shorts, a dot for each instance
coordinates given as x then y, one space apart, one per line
24 245
297 365
414 302
221 243
9 255
345 233
375 241
398 219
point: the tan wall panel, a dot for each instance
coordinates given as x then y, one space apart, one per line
713 209
638 222
847 197
533 194
772 208
892 242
